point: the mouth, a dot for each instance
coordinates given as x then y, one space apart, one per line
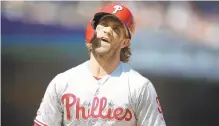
104 39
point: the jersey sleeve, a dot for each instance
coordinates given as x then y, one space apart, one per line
49 112
148 111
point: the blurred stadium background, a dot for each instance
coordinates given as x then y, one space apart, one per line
176 46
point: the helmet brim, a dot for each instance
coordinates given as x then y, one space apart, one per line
98 16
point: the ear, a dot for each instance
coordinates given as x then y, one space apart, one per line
125 43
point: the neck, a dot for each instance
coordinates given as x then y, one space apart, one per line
100 66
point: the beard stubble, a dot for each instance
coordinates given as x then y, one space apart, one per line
102 48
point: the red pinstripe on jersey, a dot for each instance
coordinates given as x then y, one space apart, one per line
38 123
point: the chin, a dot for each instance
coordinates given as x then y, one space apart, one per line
102 48
102 51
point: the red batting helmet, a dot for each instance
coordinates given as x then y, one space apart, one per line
121 12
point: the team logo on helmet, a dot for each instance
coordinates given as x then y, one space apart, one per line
117 8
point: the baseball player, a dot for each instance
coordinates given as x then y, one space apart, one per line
105 90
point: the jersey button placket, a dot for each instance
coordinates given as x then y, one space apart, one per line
100 83
98 88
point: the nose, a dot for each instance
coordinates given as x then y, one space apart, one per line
107 30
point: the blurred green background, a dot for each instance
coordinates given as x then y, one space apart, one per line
176 46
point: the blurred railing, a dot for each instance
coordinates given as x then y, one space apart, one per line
196 20
172 38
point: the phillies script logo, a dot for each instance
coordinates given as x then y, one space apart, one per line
111 113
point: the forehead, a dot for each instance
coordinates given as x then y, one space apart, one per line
113 20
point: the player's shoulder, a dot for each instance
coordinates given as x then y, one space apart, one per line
74 71
135 78
61 80
77 69
70 72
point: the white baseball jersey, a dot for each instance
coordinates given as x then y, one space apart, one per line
123 98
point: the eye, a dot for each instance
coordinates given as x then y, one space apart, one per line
103 23
116 29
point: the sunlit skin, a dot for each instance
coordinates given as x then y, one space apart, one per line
111 38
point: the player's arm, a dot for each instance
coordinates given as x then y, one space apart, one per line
49 112
149 112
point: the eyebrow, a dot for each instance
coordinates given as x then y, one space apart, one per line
115 25
119 25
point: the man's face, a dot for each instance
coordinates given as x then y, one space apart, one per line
110 34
